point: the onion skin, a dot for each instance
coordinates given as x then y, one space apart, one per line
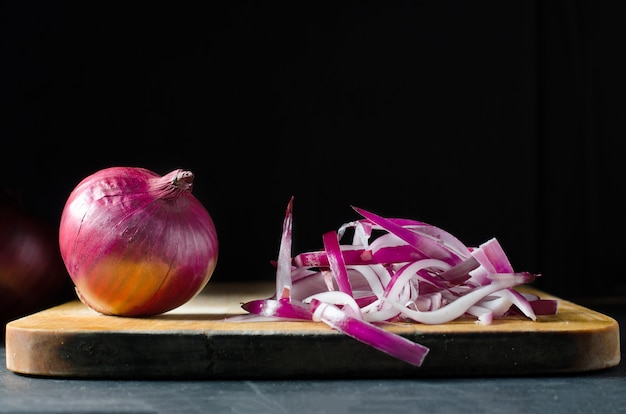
136 243
32 274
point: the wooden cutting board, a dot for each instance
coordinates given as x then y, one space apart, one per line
198 341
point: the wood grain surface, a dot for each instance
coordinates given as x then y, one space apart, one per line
201 340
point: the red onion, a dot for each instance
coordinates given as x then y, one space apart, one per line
413 272
136 243
32 275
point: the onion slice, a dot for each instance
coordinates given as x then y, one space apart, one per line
336 262
283 270
385 341
279 308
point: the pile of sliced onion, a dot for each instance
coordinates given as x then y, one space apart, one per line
394 270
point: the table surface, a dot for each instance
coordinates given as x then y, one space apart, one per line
593 392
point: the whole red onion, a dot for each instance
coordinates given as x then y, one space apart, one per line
136 243
32 275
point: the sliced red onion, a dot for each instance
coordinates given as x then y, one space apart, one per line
424 245
492 259
355 255
539 306
460 272
405 271
335 259
402 287
520 302
342 299
278 308
283 269
545 306
459 307
365 332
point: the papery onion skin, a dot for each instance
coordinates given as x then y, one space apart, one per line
135 243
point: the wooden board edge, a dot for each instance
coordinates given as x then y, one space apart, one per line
219 354
293 356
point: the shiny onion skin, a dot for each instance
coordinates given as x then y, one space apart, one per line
32 275
136 243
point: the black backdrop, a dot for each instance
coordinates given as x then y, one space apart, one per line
485 118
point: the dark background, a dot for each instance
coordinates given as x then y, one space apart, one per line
485 118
